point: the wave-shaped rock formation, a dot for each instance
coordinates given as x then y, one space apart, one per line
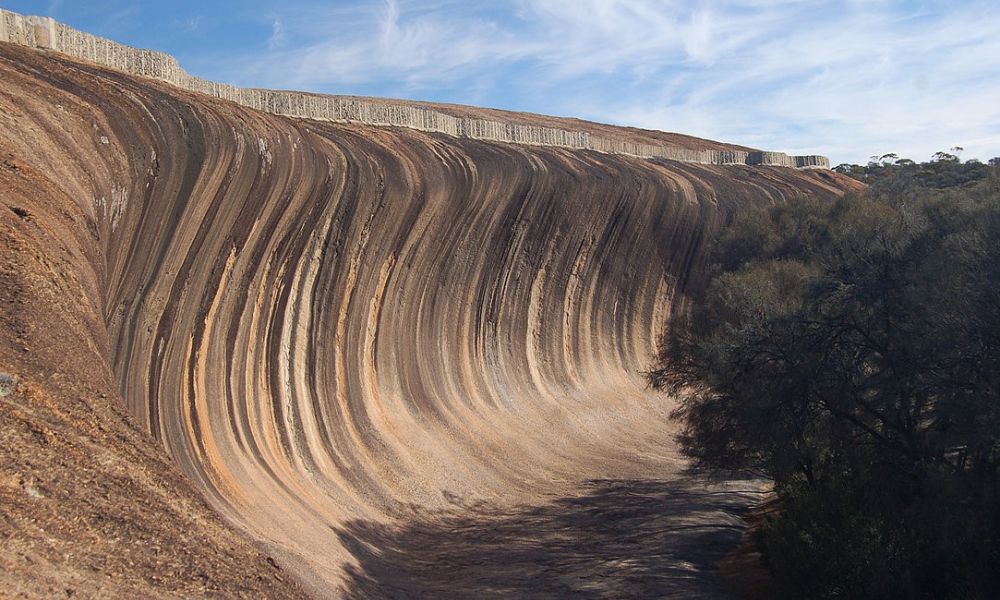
371 350
45 32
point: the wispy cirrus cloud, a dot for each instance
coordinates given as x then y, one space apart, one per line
190 24
277 39
849 78
382 42
868 81
843 77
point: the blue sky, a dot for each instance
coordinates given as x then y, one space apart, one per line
846 78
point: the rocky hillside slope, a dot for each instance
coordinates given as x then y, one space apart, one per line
497 126
252 355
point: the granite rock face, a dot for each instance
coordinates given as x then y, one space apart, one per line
391 359
44 32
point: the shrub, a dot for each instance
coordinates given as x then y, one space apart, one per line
850 351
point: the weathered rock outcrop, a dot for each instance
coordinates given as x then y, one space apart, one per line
45 32
368 348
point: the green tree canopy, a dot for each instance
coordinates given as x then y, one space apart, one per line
850 351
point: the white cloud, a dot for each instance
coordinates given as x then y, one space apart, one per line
189 25
845 77
277 39
384 43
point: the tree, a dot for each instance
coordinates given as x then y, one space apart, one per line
856 171
851 353
901 175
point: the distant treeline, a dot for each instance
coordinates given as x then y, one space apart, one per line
944 170
850 352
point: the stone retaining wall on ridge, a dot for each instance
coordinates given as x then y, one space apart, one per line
46 33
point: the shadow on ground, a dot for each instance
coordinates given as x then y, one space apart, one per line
618 539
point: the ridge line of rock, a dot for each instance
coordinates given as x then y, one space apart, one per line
49 34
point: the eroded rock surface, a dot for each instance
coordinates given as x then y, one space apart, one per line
388 358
